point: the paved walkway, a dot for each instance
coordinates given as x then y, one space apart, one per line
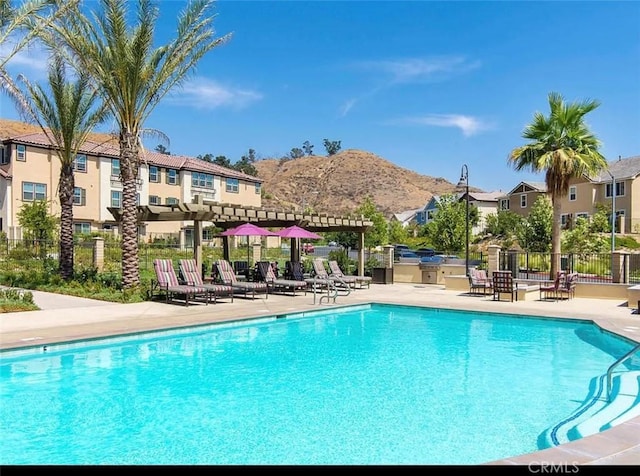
65 319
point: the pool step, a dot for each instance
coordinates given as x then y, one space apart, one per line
596 414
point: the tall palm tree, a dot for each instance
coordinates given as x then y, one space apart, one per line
67 112
133 76
563 147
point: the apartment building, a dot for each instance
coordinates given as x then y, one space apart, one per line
587 193
30 169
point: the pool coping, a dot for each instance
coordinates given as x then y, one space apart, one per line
619 445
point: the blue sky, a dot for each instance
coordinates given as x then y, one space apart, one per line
427 85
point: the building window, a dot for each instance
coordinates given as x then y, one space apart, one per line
79 196
619 189
172 177
115 168
4 156
504 204
171 201
116 199
583 215
80 163
154 175
233 185
155 200
523 201
199 179
573 194
564 219
258 188
33 191
82 228
21 152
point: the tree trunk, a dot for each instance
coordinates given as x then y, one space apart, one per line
556 230
129 153
65 194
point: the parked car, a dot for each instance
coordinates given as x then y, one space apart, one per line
425 252
308 248
333 243
407 254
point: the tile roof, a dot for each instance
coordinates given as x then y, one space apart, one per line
486 196
626 168
109 149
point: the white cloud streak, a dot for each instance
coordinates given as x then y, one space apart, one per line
469 125
419 69
204 93
409 70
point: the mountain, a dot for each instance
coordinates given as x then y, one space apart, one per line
338 184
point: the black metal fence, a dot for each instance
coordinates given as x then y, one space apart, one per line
591 267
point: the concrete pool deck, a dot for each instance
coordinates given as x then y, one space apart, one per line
65 319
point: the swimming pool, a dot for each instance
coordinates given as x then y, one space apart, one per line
372 384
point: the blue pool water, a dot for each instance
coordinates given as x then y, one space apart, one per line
369 385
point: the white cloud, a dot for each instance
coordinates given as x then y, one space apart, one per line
32 61
346 107
469 125
389 73
419 69
208 94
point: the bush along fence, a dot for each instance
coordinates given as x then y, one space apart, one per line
106 256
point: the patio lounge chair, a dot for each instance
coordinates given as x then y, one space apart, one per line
360 281
191 275
479 281
320 272
549 289
279 285
167 281
228 277
294 271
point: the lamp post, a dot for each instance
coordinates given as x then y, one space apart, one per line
613 216
463 184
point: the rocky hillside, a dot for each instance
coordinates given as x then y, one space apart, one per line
338 184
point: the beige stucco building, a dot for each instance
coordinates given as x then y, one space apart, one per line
30 169
586 194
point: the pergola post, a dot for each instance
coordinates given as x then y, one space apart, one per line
197 236
361 253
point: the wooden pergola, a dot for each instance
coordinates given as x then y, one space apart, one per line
225 216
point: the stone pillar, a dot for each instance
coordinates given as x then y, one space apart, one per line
257 252
387 256
98 253
620 272
493 260
182 239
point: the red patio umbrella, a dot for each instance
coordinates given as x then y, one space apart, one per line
247 229
296 232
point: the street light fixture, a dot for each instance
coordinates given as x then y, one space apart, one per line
463 184
613 213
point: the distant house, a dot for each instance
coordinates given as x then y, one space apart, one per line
428 212
521 198
486 203
407 217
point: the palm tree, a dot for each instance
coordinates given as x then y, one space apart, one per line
133 77
26 18
67 113
563 147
